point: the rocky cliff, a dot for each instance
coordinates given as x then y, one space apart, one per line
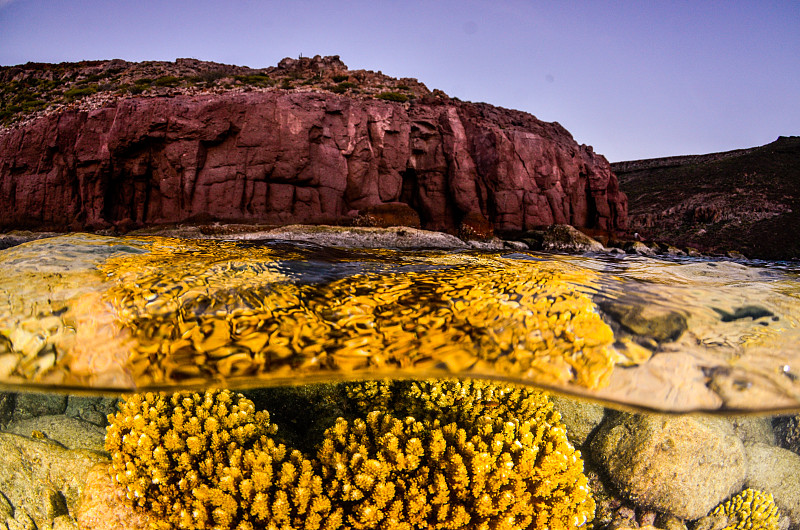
279 156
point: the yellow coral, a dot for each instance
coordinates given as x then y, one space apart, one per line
468 454
749 510
191 476
478 455
452 400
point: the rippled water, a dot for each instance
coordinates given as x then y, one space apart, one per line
140 313
102 315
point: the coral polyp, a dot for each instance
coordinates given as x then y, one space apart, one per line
496 456
749 509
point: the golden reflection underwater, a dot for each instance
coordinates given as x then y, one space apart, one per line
206 311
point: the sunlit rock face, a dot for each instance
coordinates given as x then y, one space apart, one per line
281 157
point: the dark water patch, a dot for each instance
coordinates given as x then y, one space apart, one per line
750 311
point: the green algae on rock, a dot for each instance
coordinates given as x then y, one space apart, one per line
212 461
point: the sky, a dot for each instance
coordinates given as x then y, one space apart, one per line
633 79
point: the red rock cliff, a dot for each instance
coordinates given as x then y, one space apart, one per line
281 157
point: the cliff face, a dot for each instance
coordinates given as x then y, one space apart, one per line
280 157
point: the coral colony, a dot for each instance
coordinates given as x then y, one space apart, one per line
424 454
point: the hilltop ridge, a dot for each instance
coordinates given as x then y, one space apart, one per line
34 89
630 166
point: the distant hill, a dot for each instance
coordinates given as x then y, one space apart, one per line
746 200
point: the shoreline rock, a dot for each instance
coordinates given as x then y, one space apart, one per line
559 238
399 237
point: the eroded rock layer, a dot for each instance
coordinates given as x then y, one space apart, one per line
281 157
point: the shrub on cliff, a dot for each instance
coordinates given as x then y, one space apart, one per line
254 79
167 81
393 96
79 92
341 88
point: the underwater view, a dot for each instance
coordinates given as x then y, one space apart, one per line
164 382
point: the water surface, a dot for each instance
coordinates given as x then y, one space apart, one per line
104 313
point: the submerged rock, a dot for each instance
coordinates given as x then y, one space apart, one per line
749 311
41 478
777 471
681 465
33 405
647 320
103 504
6 510
91 409
580 417
753 429
7 400
68 432
787 431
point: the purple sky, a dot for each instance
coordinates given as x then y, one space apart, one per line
633 79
